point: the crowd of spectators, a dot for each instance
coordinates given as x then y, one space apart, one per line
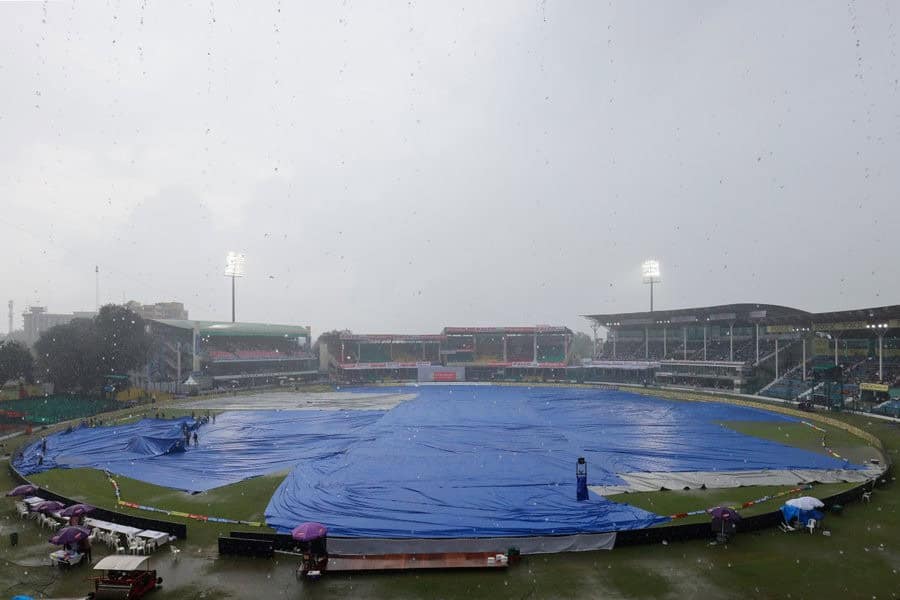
866 371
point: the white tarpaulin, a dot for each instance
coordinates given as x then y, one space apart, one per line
651 482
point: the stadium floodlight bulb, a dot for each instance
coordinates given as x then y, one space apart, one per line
234 264
650 271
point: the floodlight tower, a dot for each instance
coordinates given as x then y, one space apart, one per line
234 268
650 270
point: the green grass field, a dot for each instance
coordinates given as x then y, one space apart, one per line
245 500
860 559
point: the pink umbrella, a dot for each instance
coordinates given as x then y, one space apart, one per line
48 506
23 490
70 535
306 532
76 510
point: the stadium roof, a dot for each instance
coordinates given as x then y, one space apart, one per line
226 328
506 330
725 312
768 314
877 313
390 337
400 337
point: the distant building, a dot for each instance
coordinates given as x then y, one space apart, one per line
38 320
160 310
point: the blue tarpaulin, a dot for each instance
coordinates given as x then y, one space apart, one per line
475 461
467 461
238 446
154 446
792 513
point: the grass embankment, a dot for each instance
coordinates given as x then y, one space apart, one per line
245 500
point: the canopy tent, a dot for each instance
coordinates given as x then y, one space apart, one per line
118 562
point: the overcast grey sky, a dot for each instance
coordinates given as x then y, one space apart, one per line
405 166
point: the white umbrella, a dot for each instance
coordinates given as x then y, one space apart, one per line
805 503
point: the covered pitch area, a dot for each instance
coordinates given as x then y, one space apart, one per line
457 461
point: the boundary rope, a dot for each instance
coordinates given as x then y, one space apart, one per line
175 513
747 504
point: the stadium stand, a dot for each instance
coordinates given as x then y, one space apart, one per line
749 348
483 353
223 354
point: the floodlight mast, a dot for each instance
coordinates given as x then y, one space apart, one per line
650 271
234 268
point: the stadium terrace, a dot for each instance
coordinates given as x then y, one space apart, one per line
778 351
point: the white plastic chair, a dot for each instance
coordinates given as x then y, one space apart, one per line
134 546
811 525
174 551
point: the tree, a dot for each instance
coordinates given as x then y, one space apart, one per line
124 342
16 362
332 341
330 338
69 356
78 356
582 345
